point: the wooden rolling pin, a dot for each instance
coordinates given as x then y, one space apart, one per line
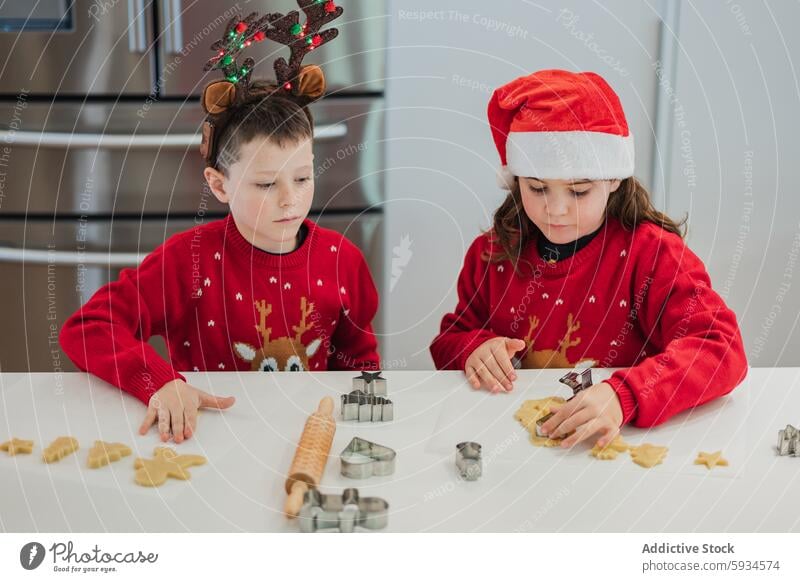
311 455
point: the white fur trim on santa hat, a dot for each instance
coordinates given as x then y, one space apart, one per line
505 178
570 155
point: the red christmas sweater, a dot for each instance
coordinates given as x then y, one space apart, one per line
639 300
223 304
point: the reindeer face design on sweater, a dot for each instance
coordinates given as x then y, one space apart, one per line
550 358
284 353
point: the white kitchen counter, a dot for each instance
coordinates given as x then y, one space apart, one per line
523 488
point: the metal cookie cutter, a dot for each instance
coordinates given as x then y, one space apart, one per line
371 383
362 459
365 407
468 460
342 512
578 379
789 441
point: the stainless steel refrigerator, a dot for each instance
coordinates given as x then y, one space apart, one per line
99 145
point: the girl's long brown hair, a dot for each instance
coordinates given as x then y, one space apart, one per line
630 204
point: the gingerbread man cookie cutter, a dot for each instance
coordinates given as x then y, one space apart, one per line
578 379
363 459
342 512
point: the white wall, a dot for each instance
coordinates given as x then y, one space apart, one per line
735 170
441 159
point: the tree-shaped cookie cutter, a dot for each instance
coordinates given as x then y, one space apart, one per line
578 379
342 512
369 404
789 441
362 459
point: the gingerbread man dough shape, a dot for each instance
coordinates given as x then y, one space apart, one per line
165 463
17 446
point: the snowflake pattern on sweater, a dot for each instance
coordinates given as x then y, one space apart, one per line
222 304
638 300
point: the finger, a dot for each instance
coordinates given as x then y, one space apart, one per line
472 377
163 423
149 419
512 346
177 424
220 402
581 433
609 434
560 413
569 424
496 371
504 361
487 380
190 425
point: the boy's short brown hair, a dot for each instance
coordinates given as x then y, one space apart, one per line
279 119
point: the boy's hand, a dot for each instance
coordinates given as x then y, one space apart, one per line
596 409
175 407
489 365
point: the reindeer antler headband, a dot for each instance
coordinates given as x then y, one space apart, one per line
303 84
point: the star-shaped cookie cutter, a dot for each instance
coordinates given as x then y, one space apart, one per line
342 512
362 459
578 379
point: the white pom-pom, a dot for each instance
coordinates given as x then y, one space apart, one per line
505 179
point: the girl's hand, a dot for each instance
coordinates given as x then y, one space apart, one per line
596 409
489 365
175 407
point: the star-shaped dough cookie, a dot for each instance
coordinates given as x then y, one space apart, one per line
648 455
165 463
102 453
611 450
711 460
59 448
17 446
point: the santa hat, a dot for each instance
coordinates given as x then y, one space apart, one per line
557 124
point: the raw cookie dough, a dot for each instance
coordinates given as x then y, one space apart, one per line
16 446
165 463
59 448
533 410
648 455
611 450
711 460
103 453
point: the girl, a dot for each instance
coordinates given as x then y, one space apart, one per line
580 268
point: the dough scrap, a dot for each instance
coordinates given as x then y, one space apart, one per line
17 446
165 463
59 448
711 460
103 453
648 455
611 450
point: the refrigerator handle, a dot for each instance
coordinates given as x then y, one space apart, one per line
172 26
136 27
134 141
69 258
